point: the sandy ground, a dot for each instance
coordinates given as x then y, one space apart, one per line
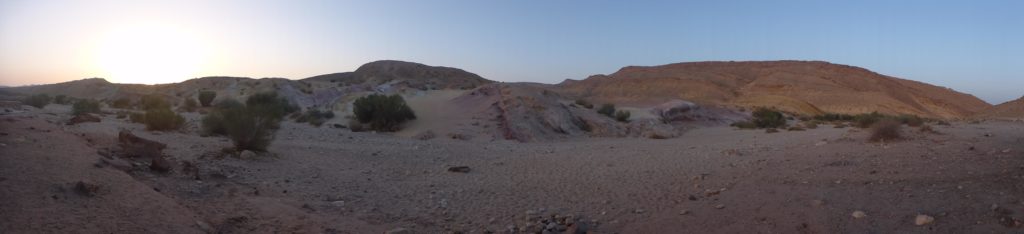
970 178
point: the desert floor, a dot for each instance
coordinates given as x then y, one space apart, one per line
968 177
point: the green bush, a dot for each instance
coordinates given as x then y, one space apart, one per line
163 119
607 110
768 118
832 117
383 112
122 103
136 117
153 101
585 104
250 126
622 116
38 100
85 106
206 97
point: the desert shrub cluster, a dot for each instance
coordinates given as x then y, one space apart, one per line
162 119
622 116
763 118
85 106
315 117
607 110
206 98
382 112
37 101
885 130
250 126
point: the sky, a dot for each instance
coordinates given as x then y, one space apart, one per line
976 47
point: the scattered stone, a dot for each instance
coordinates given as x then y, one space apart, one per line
994 207
86 188
160 164
1006 151
399 231
720 206
859 214
639 211
818 203
771 130
684 212
922 220
246 155
338 203
426 135
204 226
83 118
459 169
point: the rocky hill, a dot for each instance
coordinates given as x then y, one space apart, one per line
1011 110
794 86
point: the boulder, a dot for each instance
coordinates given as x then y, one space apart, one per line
675 110
134 146
83 118
160 164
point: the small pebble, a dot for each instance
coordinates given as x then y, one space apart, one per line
922 220
859 214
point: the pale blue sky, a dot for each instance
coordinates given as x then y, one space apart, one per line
971 46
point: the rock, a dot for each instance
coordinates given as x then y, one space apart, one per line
86 188
338 203
426 135
118 164
83 118
459 169
684 212
639 211
399 231
922 220
818 203
204 226
859 214
134 146
246 155
675 110
720 206
160 164
994 207
1006 151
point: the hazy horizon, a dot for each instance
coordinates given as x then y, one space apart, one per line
967 46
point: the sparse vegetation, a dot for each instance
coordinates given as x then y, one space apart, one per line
795 128
744 125
769 118
911 120
37 101
383 112
928 129
250 126
163 119
622 116
61 99
121 103
867 120
607 110
885 130
206 97
85 106
153 101
811 124
315 117
585 104
833 117
190 105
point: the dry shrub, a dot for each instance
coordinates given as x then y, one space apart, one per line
885 130
795 128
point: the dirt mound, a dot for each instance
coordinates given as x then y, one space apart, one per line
406 75
793 86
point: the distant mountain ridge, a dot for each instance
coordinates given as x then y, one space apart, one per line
803 87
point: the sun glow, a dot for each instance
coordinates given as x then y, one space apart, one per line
150 54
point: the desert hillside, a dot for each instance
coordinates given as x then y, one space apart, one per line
1011 110
794 86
